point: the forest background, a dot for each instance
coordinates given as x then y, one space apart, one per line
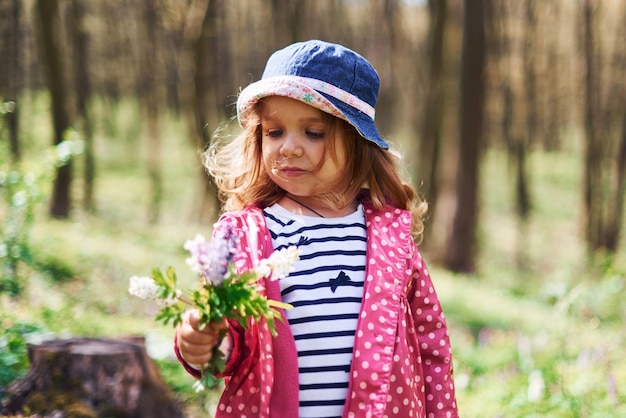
510 116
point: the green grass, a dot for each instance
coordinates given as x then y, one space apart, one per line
535 312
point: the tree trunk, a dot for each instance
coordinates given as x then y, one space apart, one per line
206 101
13 70
83 94
461 248
530 69
430 145
380 45
47 11
84 377
553 103
616 211
605 145
149 94
616 159
522 195
290 13
593 143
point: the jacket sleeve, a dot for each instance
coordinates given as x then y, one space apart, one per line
435 349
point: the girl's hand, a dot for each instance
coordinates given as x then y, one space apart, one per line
196 345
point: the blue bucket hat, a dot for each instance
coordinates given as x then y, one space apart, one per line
327 76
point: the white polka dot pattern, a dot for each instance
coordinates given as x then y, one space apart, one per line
402 364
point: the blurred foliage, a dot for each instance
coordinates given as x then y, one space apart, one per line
182 384
522 357
13 357
20 191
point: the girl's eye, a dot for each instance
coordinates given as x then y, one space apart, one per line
274 133
316 134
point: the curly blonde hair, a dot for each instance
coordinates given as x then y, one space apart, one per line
236 166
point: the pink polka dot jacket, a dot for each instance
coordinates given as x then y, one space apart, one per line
402 363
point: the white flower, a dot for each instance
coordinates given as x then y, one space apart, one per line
198 386
536 386
146 288
64 151
143 287
19 198
263 269
279 264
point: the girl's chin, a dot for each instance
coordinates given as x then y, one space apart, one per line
300 192
296 190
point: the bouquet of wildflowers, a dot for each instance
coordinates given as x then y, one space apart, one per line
221 293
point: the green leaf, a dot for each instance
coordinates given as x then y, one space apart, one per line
157 276
172 313
171 278
208 380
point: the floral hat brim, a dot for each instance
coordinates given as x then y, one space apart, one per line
286 86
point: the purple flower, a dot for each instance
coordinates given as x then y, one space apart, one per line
210 259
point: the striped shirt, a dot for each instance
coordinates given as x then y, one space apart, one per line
325 291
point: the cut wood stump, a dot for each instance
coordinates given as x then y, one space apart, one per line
88 377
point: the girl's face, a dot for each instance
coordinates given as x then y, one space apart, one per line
294 140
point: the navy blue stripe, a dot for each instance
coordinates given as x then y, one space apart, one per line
277 220
326 268
335 238
320 285
304 229
306 241
348 333
335 252
314 386
324 369
321 301
321 318
330 351
323 403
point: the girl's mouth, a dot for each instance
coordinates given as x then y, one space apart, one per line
287 171
292 171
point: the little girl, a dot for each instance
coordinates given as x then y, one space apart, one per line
366 336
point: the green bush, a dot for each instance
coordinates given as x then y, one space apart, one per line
13 356
20 192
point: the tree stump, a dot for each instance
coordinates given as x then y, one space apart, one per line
87 377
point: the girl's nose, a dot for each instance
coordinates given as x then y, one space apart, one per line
291 147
